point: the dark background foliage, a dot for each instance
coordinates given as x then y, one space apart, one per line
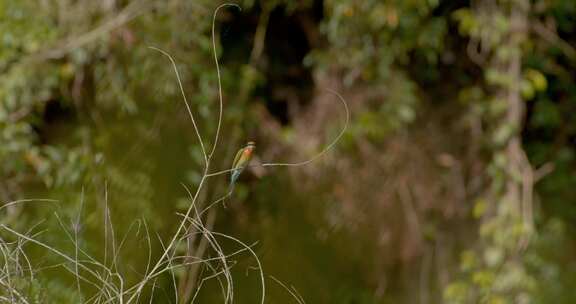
454 182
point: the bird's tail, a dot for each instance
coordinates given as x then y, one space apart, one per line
233 178
231 188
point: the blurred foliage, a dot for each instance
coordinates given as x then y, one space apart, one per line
81 94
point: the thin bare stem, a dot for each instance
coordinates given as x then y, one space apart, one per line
76 245
327 148
59 253
196 130
220 98
255 257
293 293
32 200
315 157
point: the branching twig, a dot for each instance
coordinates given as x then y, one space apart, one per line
315 157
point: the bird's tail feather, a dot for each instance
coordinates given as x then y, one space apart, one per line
233 179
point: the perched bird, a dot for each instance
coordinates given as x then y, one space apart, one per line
241 160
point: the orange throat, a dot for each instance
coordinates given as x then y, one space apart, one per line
248 151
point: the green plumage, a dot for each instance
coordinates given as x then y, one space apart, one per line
241 160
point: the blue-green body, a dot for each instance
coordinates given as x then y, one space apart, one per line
243 157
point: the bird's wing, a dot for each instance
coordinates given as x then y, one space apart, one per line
237 158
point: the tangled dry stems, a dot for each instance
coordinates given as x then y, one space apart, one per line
105 276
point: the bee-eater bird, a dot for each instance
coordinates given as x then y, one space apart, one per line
241 160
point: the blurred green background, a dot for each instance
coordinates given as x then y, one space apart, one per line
455 181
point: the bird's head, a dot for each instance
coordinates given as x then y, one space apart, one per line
251 144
